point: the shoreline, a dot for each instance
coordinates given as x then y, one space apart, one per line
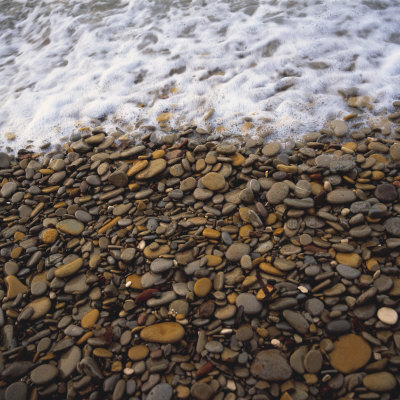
185 267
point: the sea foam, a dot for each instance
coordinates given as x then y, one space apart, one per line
280 63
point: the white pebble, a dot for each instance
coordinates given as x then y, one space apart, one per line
302 289
276 343
388 315
129 283
128 371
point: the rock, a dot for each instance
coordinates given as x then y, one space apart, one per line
213 181
340 196
166 332
348 272
139 352
69 268
202 391
297 359
118 178
16 390
71 226
249 302
387 315
339 128
386 192
360 232
392 226
380 382
43 374
351 352
8 189
349 259
40 307
161 391
314 306
14 286
202 287
277 193
68 362
90 318
271 365
394 152
338 327
271 149
313 361
4 160
154 168
236 251
296 321
77 285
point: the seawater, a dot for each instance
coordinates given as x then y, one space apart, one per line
283 64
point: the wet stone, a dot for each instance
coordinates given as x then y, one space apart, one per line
386 192
43 374
271 365
161 391
249 302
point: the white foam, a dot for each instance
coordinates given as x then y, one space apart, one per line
61 66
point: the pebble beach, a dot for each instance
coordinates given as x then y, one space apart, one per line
193 265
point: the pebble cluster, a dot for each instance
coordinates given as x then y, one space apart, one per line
186 267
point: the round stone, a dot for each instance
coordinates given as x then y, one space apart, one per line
43 374
202 391
236 251
160 265
394 151
249 302
4 160
271 365
341 196
277 193
313 361
16 391
161 391
348 272
118 178
71 226
69 361
387 315
226 312
69 269
165 332
314 306
8 189
351 352
214 346
213 181
386 192
202 287
271 149
90 318
49 236
40 307
155 167
392 226
38 288
296 321
380 382
338 327
139 352
349 259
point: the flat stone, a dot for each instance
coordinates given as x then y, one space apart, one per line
8 189
384 283
272 149
118 178
160 265
77 285
39 288
40 307
154 168
314 306
338 327
380 382
386 192
392 226
226 312
128 254
340 196
166 332
4 160
161 391
49 236
394 152
236 251
313 361
16 390
214 346
202 287
139 352
164 298
349 259
282 303
90 318
351 352
201 391
387 315
296 321
213 181
271 365
277 193
71 226
360 232
14 286
43 374
249 302
68 362
180 307
339 127
297 359
69 268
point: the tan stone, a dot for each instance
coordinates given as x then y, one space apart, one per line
351 352
139 352
237 159
152 254
69 268
137 166
349 259
213 261
71 226
213 181
165 332
102 353
135 281
202 287
154 168
40 307
90 318
50 236
14 287
211 233
270 269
